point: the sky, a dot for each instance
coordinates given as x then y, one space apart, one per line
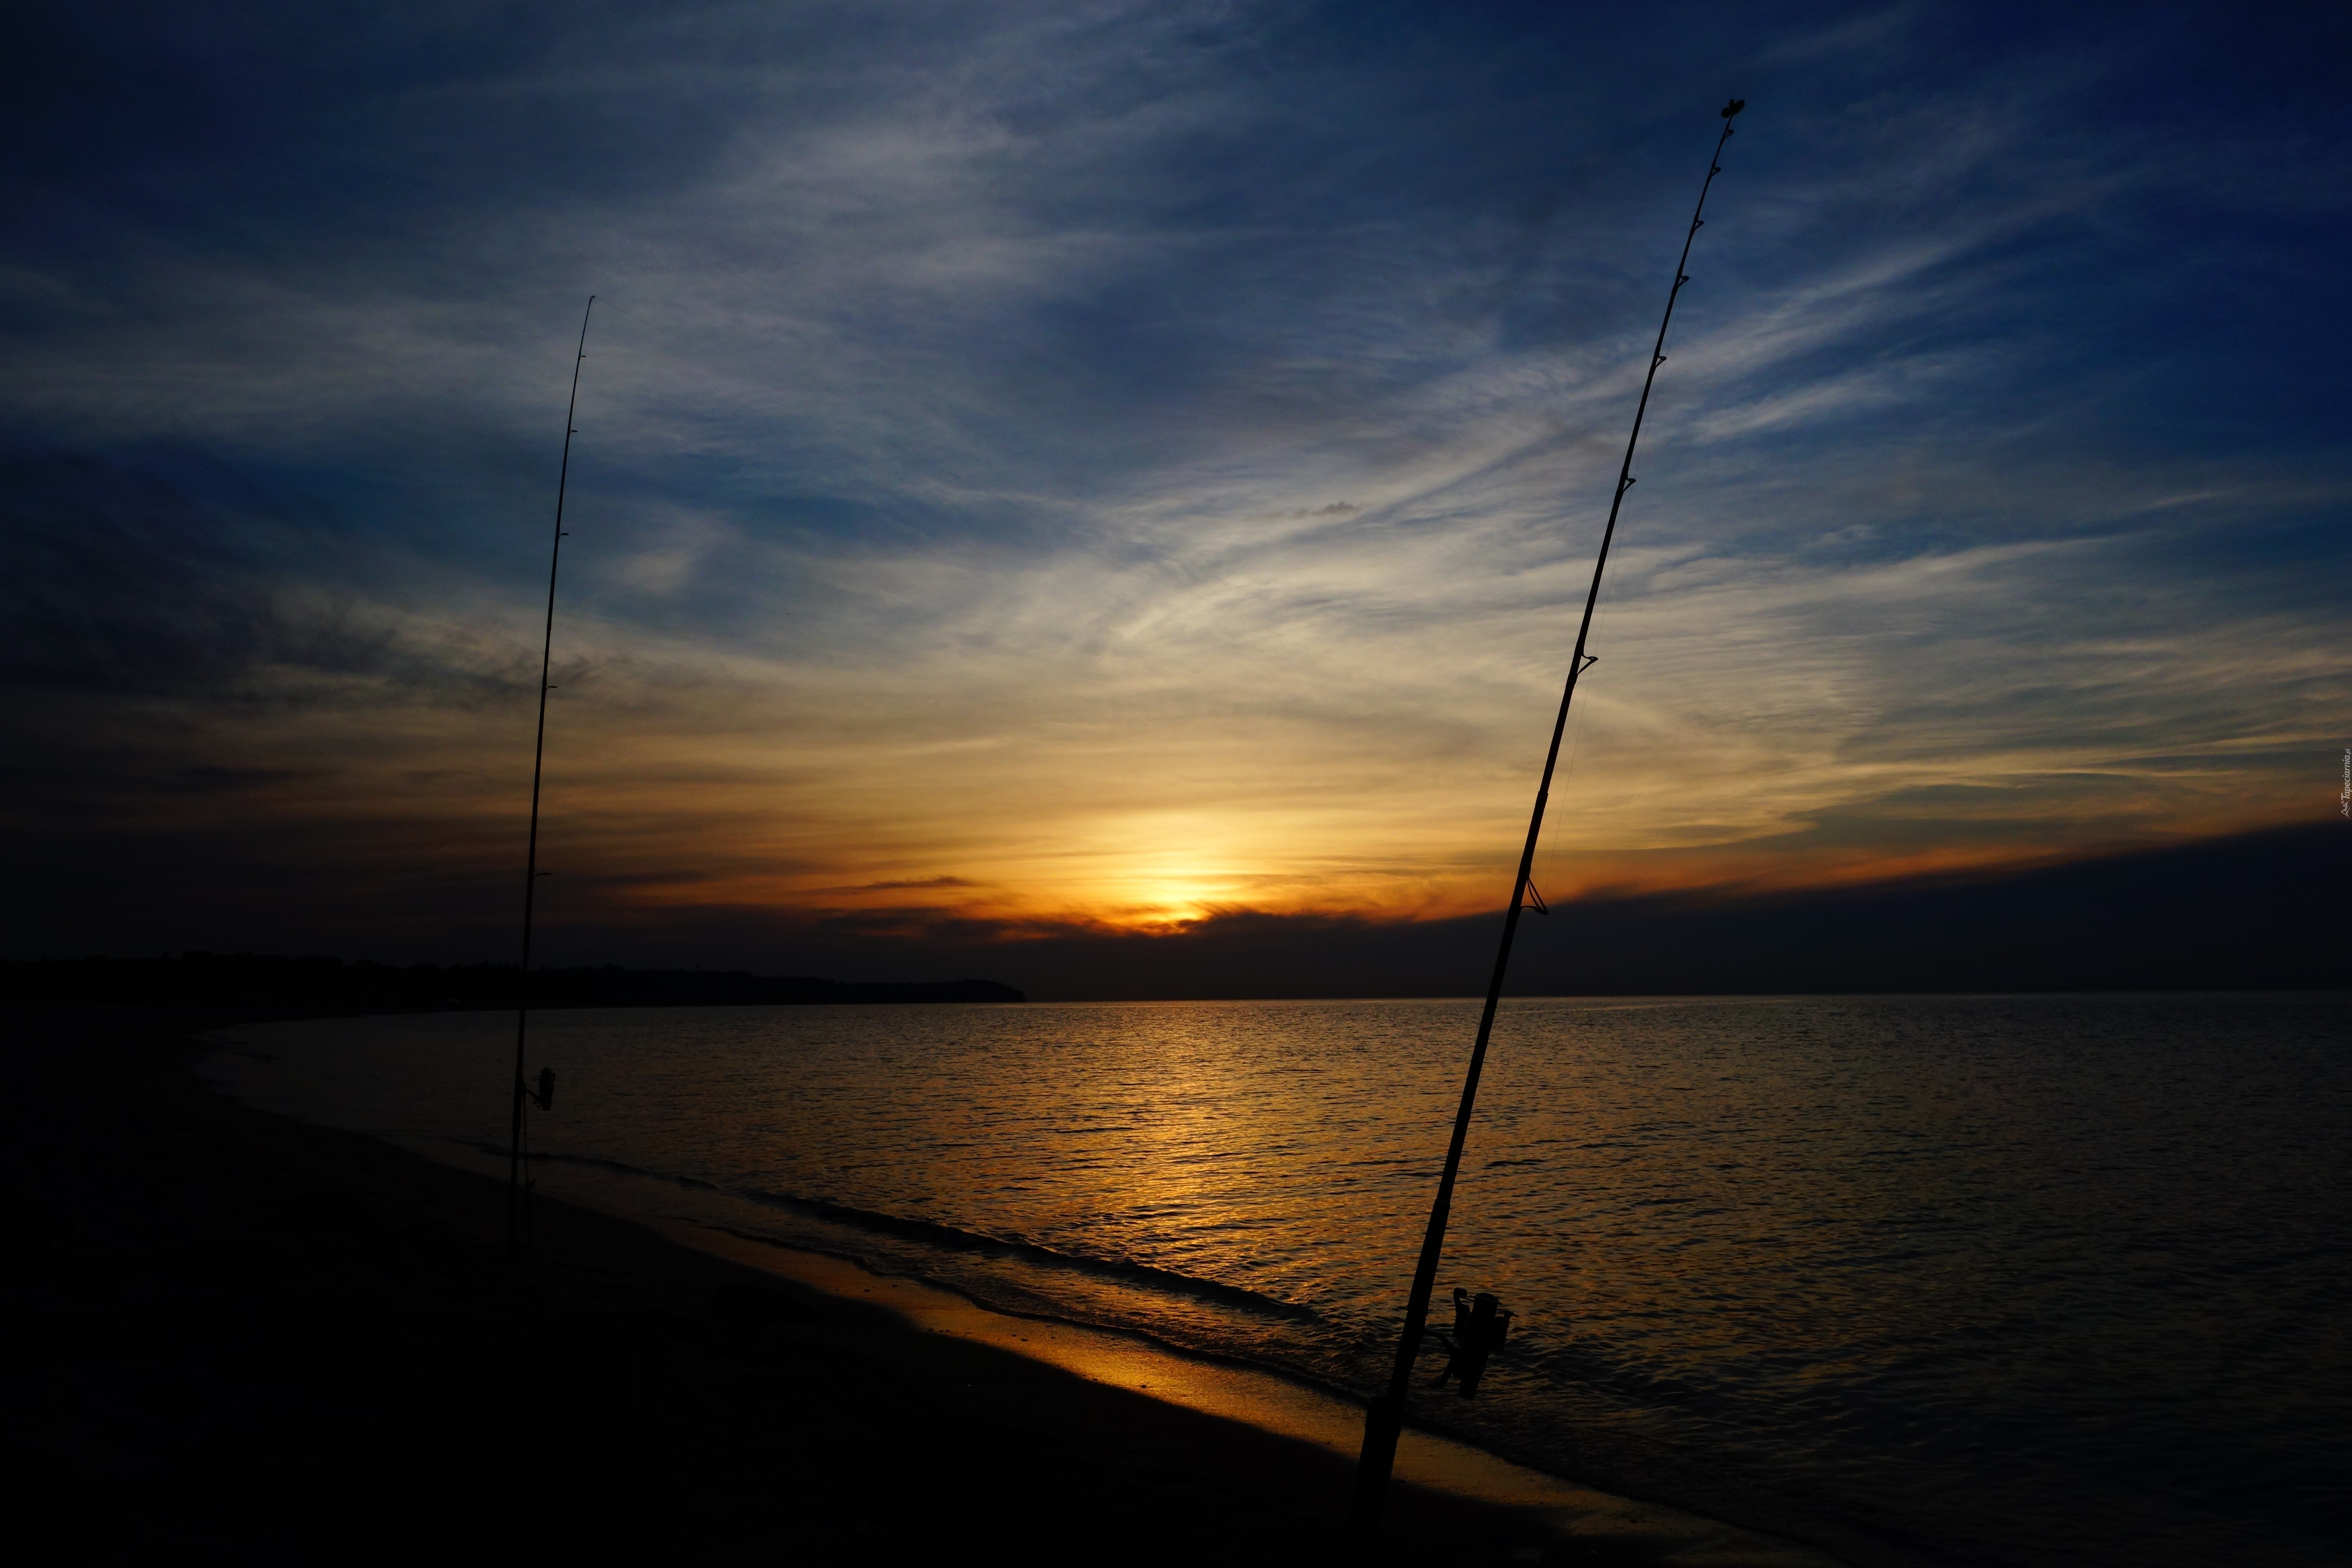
1057 471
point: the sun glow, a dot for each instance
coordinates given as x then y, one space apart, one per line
1169 903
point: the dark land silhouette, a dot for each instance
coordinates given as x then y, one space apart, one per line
248 981
2255 912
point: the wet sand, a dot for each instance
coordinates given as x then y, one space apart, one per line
232 1337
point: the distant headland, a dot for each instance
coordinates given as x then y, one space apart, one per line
246 980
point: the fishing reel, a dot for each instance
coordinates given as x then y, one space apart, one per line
1481 1324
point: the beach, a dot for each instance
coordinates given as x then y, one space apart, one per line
238 1337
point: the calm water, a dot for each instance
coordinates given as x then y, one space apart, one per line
1992 1280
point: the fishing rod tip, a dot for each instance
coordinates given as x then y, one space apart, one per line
1734 107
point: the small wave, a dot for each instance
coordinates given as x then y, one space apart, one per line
954 1239
618 1167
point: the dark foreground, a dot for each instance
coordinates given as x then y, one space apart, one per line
230 1337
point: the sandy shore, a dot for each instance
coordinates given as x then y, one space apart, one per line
231 1337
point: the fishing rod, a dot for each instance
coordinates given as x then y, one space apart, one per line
1384 1417
518 1189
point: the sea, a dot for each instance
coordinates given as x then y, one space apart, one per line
1920 1280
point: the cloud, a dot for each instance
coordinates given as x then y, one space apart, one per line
130 585
971 395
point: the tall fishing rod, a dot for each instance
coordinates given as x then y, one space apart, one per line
1384 1417
519 1190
